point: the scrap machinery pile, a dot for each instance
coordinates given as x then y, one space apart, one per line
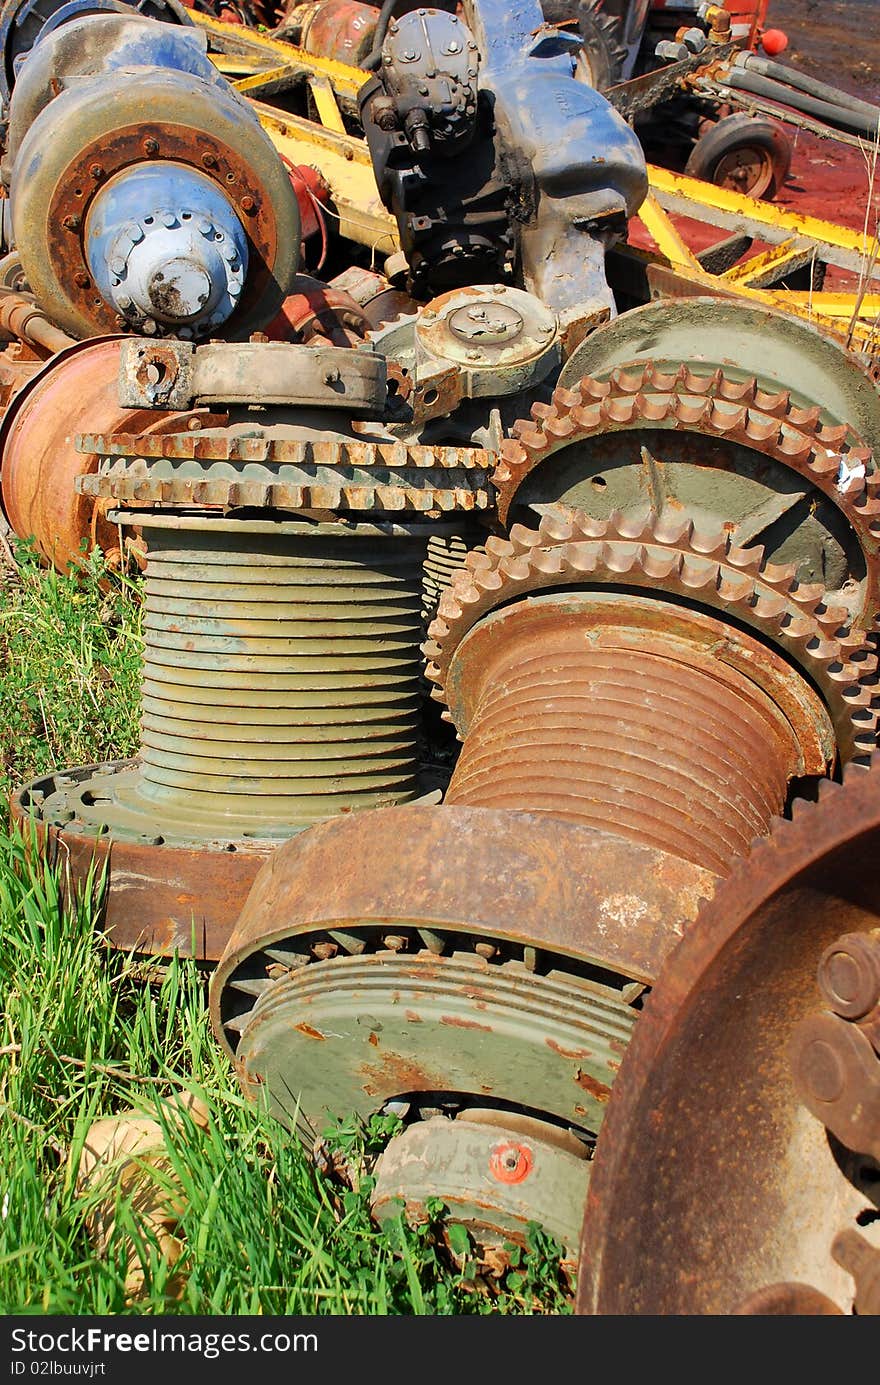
492 611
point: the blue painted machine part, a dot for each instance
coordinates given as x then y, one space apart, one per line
163 243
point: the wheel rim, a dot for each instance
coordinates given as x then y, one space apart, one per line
747 170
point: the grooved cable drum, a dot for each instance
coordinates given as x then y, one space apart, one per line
689 758
281 674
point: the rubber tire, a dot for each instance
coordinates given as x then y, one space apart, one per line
600 39
742 131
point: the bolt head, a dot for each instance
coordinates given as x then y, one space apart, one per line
248 205
82 280
151 146
72 223
96 172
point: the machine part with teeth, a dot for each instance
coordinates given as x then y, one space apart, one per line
178 375
282 663
315 464
144 190
445 557
678 1220
499 341
745 341
723 448
521 985
664 557
531 190
40 465
692 655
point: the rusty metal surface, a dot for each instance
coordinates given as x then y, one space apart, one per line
563 453
40 464
318 312
573 891
339 29
292 467
576 710
415 974
742 339
492 1179
165 898
712 1182
53 208
663 554
178 374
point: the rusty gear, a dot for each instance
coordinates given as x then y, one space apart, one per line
665 554
679 1219
261 469
831 457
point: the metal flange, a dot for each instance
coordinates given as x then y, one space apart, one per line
177 375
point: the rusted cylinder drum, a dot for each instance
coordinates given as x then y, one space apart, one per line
281 672
39 463
620 733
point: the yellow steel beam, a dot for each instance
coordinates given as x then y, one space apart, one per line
325 103
838 245
665 235
762 271
345 163
234 39
262 76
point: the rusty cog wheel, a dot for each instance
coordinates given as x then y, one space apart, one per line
756 1190
723 448
666 555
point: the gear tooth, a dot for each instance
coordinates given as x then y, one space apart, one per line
629 379
584 392
558 525
671 526
727 418
589 418
805 419
521 537
494 547
690 412
760 428
776 404
659 563
694 383
619 411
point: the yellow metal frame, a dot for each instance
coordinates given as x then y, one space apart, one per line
794 238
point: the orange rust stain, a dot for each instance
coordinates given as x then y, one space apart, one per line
567 1052
309 1032
373 1039
465 1024
412 1017
394 1073
591 1085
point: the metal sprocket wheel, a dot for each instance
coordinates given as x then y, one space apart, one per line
728 1196
725 450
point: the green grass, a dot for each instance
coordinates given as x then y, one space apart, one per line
70 655
85 1034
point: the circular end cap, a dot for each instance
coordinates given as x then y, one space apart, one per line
849 975
179 290
486 322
